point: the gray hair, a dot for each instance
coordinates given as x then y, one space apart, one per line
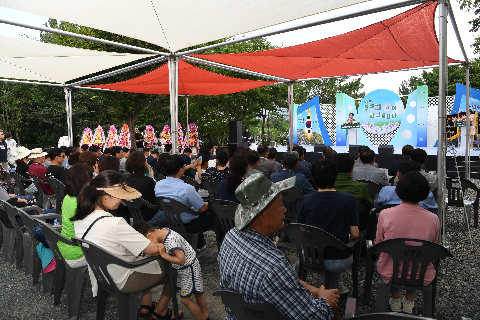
290 159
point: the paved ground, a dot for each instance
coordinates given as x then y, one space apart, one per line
457 291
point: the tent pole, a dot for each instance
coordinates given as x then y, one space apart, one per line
68 107
186 128
455 29
467 110
173 76
290 115
442 86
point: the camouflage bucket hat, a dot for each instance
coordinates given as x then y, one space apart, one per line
255 194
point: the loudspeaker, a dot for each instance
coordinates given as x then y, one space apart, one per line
235 132
231 149
353 150
385 149
318 148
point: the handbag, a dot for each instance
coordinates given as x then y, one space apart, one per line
31 188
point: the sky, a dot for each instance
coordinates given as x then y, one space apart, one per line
389 81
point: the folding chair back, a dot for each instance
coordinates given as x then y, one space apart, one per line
191 182
211 186
19 179
135 207
59 189
288 198
8 180
248 311
225 211
373 188
454 193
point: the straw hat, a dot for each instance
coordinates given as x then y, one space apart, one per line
121 191
22 152
37 153
255 193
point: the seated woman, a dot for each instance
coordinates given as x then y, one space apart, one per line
89 158
109 163
238 170
94 223
407 220
137 166
219 172
22 165
332 211
76 177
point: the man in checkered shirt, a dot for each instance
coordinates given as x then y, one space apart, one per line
252 265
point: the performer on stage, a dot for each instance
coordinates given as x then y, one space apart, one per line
247 136
350 116
472 127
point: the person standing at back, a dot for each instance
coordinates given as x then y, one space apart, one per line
3 152
139 139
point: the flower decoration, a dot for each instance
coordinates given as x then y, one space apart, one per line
166 134
86 137
124 139
99 137
384 129
149 137
112 139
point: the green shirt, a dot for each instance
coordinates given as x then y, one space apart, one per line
345 184
69 206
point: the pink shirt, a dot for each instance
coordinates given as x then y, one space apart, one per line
405 221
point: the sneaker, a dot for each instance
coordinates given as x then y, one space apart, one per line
407 306
395 304
202 248
342 289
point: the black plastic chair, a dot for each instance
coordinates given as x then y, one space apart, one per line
373 188
225 220
311 242
159 177
41 196
135 208
74 276
18 231
191 182
59 189
98 261
455 197
248 311
8 180
288 198
32 262
351 309
211 186
19 182
417 255
10 241
172 210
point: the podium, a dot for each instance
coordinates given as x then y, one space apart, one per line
351 134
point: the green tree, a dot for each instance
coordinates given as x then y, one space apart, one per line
473 5
410 85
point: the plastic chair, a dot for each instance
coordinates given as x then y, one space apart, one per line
191 182
225 212
455 197
8 180
373 188
311 242
74 276
172 210
288 198
42 198
98 261
19 179
59 189
159 177
399 250
8 237
135 208
18 231
32 260
211 186
351 309
248 311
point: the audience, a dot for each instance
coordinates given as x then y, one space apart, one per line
152 159
359 162
388 195
90 158
106 153
38 170
68 151
74 158
186 156
367 171
264 166
272 156
420 156
117 152
220 172
126 154
109 163
22 165
406 150
238 170
252 157
55 169
84 148
301 169
407 220
304 162
201 166
173 187
251 264
96 150
333 211
210 150
290 163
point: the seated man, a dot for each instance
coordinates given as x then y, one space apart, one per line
152 159
359 162
55 170
174 188
252 265
252 157
406 150
420 156
272 156
367 171
264 166
38 170
345 184
290 163
388 194
302 169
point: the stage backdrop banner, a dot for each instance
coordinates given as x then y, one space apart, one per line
461 101
308 126
345 105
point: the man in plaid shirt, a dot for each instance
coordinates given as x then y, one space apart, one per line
252 265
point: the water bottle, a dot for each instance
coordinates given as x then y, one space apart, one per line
447 241
55 223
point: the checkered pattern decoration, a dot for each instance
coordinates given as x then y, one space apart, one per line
329 118
379 139
432 118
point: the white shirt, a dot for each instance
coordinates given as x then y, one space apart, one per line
116 236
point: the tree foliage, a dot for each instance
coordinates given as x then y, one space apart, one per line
473 5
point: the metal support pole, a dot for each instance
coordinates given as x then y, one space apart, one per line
173 76
467 110
68 107
290 114
442 88
186 128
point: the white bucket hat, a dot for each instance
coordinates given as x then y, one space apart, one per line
37 153
22 152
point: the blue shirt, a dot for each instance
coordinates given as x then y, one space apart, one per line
301 183
65 163
252 265
152 162
223 194
176 189
388 196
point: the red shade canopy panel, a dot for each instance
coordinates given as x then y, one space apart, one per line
191 81
405 41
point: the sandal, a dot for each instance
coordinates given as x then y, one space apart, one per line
167 316
149 308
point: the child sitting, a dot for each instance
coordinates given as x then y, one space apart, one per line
174 248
